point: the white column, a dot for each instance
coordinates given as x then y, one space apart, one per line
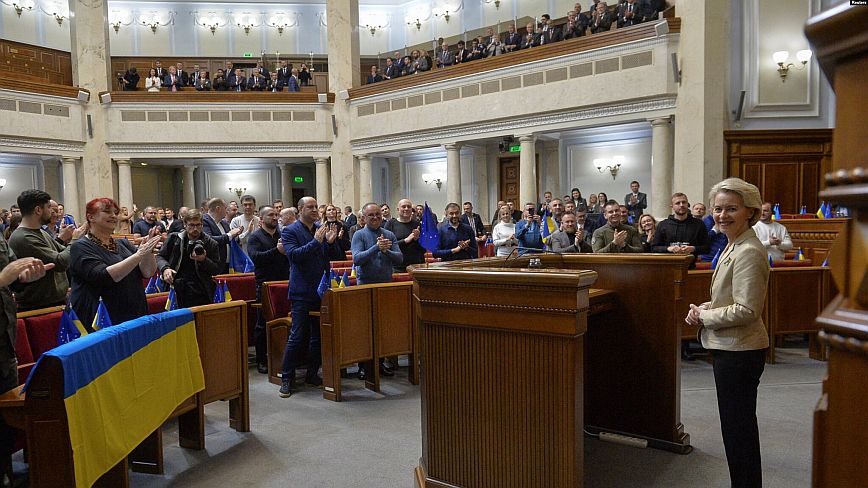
70 188
527 171
189 185
552 161
480 176
453 173
323 182
366 185
286 184
396 181
342 38
125 184
662 167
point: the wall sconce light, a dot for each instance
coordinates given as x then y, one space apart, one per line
152 24
444 14
25 5
374 28
436 179
2 183
237 191
59 18
246 28
781 57
279 24
418 24
612 167
116 25
495 2
211 23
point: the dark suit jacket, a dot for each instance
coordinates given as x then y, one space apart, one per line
480 227
185 77
637 18
210 228
176 226
351 220
167 82
446 58
175 249
636 210
513 39
274 85
284 73
256 83
461 55
605 22
194 76
391 72
529 40
237 82
553 34
374 79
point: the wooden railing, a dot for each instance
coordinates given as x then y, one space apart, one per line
620 36
191 96
45 88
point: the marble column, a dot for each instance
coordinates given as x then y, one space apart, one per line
342 36
552 161
70 189
366 184
527 190
453 173
189 184
396 181
125 183
323 183
480 176
286 184
701 110
89 48
662 167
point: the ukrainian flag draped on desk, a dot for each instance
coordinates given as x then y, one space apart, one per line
122 383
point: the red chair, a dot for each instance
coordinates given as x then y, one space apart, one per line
341 264
703 265
42 326
157 302
402 277
242 286
276 308
23 351
807 263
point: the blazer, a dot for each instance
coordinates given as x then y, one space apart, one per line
237 82
641 204
283 73
477 221
350 220
732 320
292 84
274 86
513 39
209 227
175 249
446 58
561 242
637 18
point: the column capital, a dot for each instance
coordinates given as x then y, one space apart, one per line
526 138
452 146
658 121
190 166
70 159
326 160
362 157
122 161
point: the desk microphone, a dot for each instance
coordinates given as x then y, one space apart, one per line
531 250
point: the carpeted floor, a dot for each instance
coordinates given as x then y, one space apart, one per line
374 440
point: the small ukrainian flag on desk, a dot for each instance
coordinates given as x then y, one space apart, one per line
101 320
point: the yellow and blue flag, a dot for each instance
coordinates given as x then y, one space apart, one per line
345 281
828 212
120 384
799 256
353 272
171 300
71 327
227 297
239 261
101 320
776 212
324 284
548 226
821 213
333 279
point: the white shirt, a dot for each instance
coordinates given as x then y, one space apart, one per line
500 238
241 221
765 231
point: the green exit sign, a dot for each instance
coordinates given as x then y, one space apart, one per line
516 148
248 55
298 179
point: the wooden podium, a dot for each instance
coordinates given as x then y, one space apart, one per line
518 362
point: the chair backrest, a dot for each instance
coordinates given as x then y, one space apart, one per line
157 302
22 344
341 264
242 286
42 330
275 299
787 263
401 277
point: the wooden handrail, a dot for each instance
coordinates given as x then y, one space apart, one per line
192 96
570 46
46 88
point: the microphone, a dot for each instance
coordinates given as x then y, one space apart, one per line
532 250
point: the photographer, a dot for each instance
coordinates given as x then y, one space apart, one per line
130 80
528 231
189 260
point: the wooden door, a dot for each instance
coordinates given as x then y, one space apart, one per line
509 189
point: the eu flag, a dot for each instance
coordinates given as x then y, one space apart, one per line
828 213
430 236
323 284
160 284
152 286
239 261
71 327
219 294
804 210
101 320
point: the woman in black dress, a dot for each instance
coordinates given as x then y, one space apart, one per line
109 268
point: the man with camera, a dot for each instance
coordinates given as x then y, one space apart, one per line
528 230
188 261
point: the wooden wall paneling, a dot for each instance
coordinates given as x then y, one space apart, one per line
35 63
786 165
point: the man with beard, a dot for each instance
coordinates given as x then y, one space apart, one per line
30 241
190 270
269 261
457 240
681 233
149 220
615 236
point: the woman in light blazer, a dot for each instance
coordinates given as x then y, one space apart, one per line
731 326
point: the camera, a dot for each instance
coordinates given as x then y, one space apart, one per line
196 247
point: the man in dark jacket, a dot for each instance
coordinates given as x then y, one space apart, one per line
681 233
216 227
305 245
269 262
190 270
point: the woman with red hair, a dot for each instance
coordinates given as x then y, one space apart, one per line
109 268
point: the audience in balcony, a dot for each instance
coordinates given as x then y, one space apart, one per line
375 76
602 18
284 71
274 85
130 80
183 75
172 81
446 58
219 83
493 45
238 81
391 70
195 76
152 82
530 38
630 12
304 76
203 81
512 41
292 83
256 81
161 72
462 54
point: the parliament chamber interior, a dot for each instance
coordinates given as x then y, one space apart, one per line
409 243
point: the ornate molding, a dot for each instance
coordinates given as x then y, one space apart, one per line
198 149
532 123
813 236
497 306
847 176
42 144
850 344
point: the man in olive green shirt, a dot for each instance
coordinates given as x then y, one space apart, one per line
615 236
30 240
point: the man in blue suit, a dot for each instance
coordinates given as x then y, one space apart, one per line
304 243
214 225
